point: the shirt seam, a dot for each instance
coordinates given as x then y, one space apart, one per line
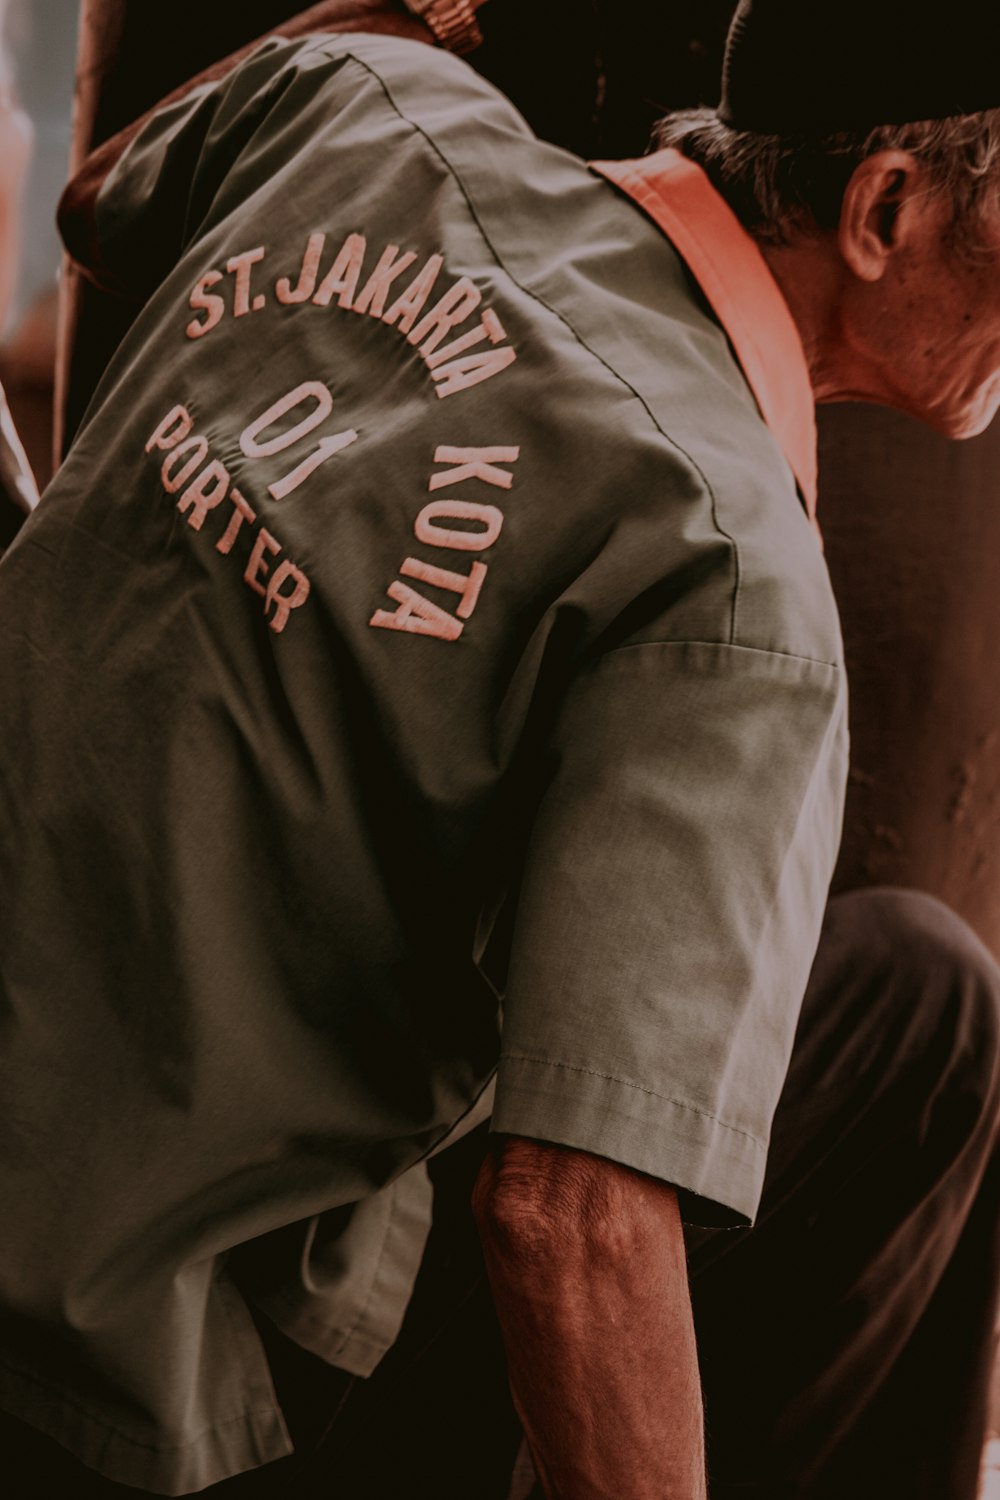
747 329
556 313
639 1088
816 661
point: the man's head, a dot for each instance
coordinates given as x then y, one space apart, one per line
861 149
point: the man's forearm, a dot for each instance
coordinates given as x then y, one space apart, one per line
587 1265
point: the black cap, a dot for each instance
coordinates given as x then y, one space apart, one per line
831 65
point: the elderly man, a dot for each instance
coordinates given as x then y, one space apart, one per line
431 614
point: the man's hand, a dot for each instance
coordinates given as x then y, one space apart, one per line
587 1265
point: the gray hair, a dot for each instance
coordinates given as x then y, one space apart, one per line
777 184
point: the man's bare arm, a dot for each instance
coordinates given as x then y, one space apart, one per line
587 1265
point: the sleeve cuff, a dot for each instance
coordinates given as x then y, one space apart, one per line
718 1168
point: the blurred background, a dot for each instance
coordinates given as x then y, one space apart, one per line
40 47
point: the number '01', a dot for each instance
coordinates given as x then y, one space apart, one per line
322 405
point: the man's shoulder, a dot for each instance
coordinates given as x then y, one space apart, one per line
383 223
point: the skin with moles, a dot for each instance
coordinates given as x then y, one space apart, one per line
891 309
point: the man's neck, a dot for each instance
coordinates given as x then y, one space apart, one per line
815 284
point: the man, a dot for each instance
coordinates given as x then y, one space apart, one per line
432 608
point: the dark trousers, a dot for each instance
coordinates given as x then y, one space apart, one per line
845 1342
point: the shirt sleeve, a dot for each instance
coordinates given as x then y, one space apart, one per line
670 911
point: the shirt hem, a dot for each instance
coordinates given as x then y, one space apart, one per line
230 1447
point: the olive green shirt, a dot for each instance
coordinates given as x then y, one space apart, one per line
424 616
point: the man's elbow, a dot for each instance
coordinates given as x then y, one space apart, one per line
535 1204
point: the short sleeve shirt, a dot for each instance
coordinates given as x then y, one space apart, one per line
422 672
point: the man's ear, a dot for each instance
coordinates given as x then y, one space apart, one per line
883 203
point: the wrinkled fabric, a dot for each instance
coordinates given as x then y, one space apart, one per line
424 615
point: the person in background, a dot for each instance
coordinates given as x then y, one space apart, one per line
437 710
18 493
